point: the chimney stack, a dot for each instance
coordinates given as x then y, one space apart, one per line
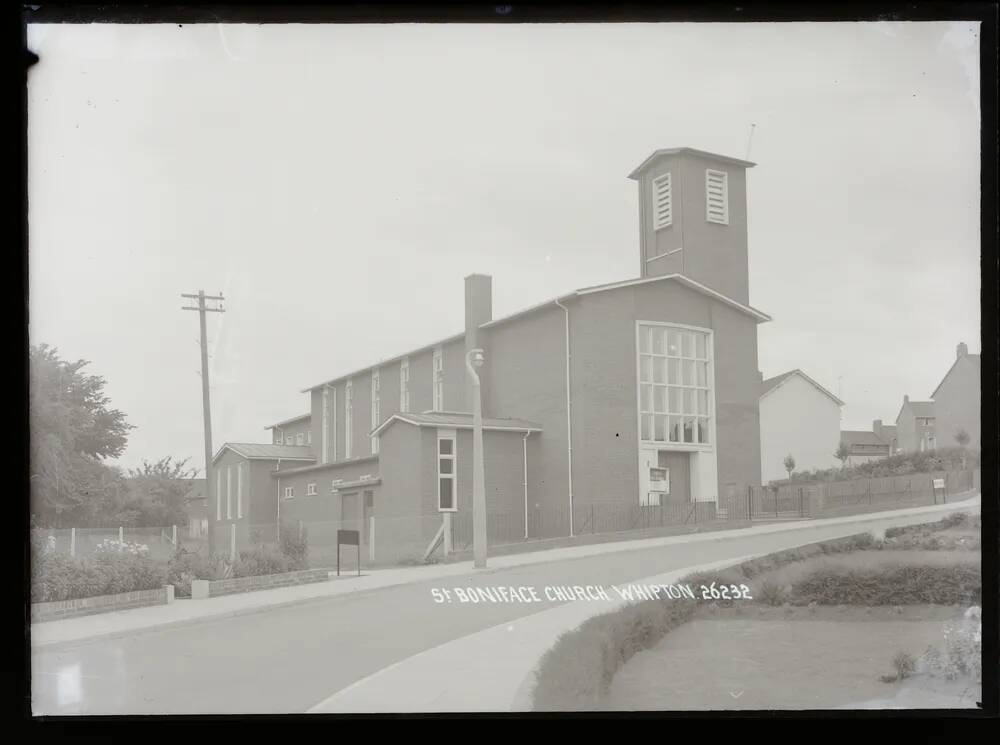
877 427
478 310
962 350
906 399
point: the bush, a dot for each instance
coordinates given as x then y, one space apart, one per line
892 585
772 593
186 566
963 650
261 560
904 664
295 545
61 577
577 671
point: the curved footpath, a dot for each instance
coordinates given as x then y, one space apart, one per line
480 680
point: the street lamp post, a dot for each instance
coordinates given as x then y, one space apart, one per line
474 359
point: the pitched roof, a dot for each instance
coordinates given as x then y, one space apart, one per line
294 419
679 278
852 437
973 358
260 451
676 150
771 384
459 420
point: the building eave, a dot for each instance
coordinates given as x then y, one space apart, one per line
687 151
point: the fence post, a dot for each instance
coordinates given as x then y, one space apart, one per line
121 534
371 538
749 490
72 541
173 536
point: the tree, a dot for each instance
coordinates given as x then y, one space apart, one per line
842 454
789 465
962 438
72 430
157 491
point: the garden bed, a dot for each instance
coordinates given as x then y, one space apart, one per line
841 587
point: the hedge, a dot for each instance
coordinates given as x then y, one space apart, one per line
893 585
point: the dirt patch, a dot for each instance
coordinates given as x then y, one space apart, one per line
798 658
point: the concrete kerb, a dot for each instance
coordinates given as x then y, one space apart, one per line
426 573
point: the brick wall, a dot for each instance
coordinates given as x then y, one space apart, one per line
58 609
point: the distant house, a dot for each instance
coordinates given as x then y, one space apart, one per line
864 446
957 400
888 434
798 417
915 426
196 509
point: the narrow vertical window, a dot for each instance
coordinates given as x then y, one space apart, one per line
300 439
289 440
348 417
717 197
325 427
239 490
376 410
218 494
662 202
404 385
229 492
447 476
437 380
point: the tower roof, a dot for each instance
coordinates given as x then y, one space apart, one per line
678 150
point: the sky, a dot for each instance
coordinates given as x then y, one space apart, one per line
336 183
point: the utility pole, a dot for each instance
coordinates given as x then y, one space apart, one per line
202 309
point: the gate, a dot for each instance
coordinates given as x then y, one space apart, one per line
777 502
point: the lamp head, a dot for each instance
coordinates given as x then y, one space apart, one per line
476 357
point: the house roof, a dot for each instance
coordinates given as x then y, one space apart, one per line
326 466
852 437
260 451
973 358
679 278
458 420
689 150
286 422
777 381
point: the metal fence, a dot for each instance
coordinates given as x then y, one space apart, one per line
162 542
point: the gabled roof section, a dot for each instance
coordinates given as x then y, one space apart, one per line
687 151
458 420
286 422
972 358
259 451
771 384
851 437
919 408
679 278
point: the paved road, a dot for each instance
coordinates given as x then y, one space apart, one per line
286 660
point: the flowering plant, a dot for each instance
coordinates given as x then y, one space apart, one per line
963 649
114 546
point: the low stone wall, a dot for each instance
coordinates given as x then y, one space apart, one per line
59 609
201 588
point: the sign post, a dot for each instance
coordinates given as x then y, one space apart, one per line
349 538
939 484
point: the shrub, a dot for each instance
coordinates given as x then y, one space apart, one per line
577 671
892 585
904 664
963 650
295 545
772 593
186 566
259 561
61 577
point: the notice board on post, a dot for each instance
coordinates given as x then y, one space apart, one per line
349 538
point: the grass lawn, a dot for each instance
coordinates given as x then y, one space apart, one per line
754 657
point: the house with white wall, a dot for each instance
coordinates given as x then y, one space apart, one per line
798 417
